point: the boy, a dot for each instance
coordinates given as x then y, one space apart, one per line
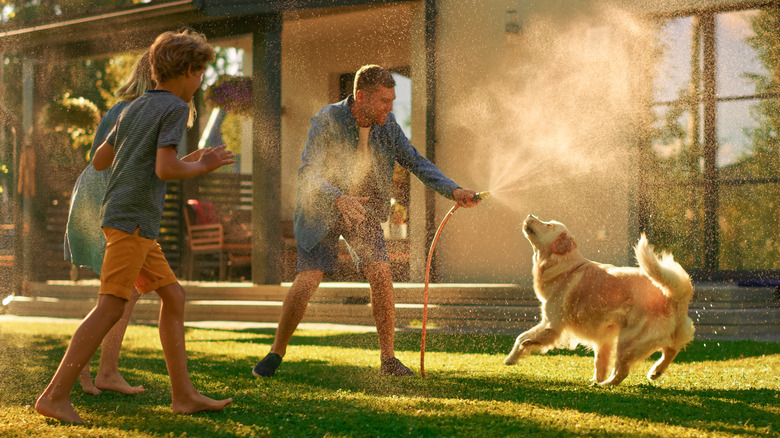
145 137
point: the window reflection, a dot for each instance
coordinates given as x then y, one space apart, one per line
677 155
737 62
677 222
736 125
673 74
747 225
722 217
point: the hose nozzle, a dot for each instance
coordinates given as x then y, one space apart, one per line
480 196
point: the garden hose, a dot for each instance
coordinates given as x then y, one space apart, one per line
477 197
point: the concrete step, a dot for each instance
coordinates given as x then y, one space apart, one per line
706 295
718 310
731 296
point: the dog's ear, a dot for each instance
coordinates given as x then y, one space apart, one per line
562 244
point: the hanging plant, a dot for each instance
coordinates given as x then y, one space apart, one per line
76 116
232 94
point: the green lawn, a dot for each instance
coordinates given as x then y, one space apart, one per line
329 385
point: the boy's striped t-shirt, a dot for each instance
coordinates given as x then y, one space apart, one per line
135 196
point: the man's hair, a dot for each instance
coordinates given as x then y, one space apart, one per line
371 76
174 54
139 80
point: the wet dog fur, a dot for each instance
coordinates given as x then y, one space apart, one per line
623 313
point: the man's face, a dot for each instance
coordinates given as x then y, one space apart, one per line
379 103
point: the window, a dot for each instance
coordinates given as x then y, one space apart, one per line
710 189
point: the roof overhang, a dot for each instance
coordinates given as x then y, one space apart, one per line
222 8
108 32
135 27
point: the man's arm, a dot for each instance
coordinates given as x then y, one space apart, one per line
169 167
430 175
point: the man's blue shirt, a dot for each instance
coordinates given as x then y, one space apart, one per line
328 162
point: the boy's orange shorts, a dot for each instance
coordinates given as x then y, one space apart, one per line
132 260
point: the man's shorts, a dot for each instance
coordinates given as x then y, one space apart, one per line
132 260
365 241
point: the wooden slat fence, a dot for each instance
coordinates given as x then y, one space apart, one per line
231 195
50 217
171 238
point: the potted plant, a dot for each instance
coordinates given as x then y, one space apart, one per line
398 221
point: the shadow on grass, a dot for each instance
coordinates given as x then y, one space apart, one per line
314 397
696 351
35 361
707 410
305 387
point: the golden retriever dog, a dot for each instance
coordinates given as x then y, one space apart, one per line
624 314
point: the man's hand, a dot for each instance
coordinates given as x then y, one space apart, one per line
465 197
351 208
214 158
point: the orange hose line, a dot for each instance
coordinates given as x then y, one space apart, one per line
425 290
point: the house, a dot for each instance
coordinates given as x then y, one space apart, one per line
581 112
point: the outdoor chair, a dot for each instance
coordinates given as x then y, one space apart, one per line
205 236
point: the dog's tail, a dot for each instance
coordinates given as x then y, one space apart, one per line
665 271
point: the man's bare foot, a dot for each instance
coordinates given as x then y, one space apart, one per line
60 410
198 403
115 382
85 380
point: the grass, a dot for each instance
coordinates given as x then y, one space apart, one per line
329 385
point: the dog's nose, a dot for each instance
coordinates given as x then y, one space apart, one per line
527 228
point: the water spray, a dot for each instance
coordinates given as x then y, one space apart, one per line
476 198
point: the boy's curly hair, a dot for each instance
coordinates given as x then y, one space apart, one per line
174 54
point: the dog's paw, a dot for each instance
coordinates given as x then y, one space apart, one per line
654 375
613 380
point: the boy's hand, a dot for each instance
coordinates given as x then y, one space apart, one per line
214 158
351 208
195 156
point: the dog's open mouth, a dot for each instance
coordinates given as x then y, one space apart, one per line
527 228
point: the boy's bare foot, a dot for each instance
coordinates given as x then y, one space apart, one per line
58 409
115 382
198 403
85 380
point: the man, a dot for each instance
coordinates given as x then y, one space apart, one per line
344 186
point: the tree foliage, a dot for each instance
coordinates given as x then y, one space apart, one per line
20 12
